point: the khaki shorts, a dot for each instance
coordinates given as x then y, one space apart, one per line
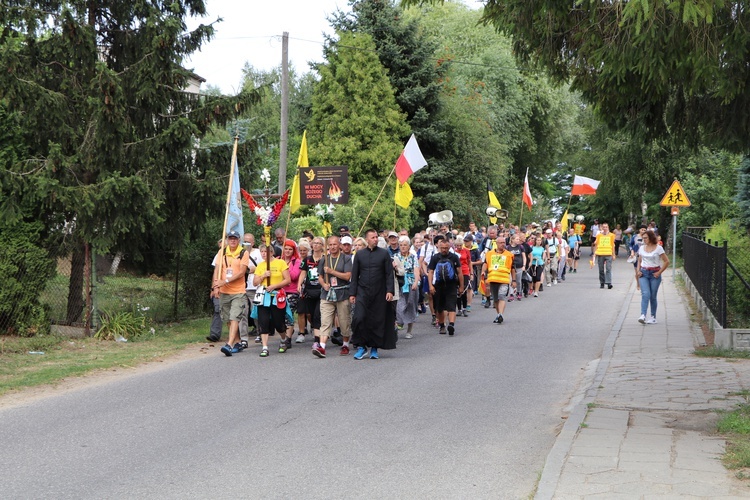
232 306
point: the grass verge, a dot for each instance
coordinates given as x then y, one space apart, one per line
71 357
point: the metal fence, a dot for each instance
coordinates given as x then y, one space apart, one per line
78 289
721 277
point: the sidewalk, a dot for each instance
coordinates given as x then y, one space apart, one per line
645 426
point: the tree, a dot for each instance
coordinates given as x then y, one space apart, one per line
679 68
109 131
356 122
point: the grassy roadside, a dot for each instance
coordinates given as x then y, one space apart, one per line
71 357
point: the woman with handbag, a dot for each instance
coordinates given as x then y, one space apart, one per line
271 276
652 261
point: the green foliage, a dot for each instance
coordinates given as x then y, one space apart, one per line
743 193
25 268
122 325
738 296
678 67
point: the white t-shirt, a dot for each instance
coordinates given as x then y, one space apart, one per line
258 258
651 259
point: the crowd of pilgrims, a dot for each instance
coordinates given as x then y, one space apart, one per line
302 290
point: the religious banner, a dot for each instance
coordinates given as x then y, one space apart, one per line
324 185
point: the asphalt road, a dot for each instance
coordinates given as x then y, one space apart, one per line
470 416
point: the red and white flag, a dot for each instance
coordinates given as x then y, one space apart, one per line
410 160
584 185
526 191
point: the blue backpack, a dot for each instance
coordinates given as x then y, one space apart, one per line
444 270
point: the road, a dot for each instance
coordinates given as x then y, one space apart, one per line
470 416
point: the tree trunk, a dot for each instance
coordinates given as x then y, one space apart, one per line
75 287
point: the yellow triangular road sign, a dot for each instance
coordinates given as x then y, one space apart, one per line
675 197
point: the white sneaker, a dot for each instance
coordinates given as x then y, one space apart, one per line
300 339
536 294
556 282
651 320
408 336
642 319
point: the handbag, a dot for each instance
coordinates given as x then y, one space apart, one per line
526 277
632 259
259 293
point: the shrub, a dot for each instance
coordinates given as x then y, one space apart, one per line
25 268
738 296
122 325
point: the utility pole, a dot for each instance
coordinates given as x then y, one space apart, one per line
284 110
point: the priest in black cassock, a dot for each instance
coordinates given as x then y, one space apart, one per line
371 289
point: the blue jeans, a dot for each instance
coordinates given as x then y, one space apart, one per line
605 269
649 287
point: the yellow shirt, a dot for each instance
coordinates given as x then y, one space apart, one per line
278 266
499 266
605 244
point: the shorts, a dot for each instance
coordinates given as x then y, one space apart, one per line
310 306
232 306
271 319
572 254
499 291
445 297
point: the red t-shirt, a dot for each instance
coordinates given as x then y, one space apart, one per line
465 256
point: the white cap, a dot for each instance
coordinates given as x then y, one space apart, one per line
346 240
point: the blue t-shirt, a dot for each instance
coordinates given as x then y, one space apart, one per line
572 240
536 255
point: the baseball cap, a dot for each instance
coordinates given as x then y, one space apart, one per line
548 231
392 234
534 224
233 234
346 240
512 231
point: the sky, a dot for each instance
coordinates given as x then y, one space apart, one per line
251 33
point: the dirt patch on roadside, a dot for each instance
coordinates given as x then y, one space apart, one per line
99 377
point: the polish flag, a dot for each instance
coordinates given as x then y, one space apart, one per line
410 161
526 191
584 185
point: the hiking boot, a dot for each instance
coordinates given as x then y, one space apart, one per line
361 353
319 351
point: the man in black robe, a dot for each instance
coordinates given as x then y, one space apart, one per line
371 289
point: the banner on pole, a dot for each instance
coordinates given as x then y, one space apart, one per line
324 185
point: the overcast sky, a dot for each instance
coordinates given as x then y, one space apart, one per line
251 32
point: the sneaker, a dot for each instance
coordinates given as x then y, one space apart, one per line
238 346
487 304
601 285
244 344
466 313
374 353
451 329
264 352
518 297
212 339
651 320
609 286
288 343
408 336
575 271
536 294
337 339
282 347
434 320
319 351
511 298
642 319
555 282
468 309
442 330
344 351
499 319
361 353
227 350
300 338
423 309
257 339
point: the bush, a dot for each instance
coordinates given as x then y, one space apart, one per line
25 268
122 325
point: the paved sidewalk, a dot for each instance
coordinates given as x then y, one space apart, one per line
644 428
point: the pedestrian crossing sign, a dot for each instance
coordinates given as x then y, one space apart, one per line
675 197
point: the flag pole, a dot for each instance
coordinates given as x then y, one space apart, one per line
289 213
229 201
395 210
520 218
376 200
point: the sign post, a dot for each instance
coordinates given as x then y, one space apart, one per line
675 198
